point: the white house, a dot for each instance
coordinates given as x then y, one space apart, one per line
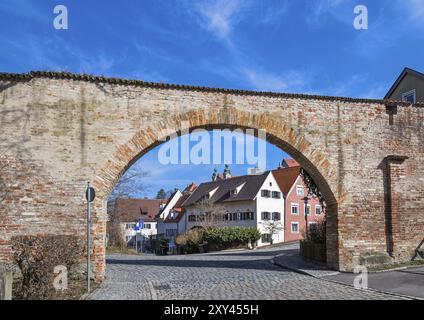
171 220
130 211
148 229
247 201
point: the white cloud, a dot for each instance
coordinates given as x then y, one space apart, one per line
266 81
221 16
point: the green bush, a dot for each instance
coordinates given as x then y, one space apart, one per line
230 237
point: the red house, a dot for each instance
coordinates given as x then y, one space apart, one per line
294 191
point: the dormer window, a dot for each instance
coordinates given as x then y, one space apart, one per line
233 192
410 96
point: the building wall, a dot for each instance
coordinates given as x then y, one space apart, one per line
59 131
269 205
293 198
242 206
144 232
409 83
165 212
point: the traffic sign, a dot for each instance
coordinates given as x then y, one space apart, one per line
90 191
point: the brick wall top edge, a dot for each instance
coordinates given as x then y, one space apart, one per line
121 81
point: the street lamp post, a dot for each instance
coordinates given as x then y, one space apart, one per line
305 201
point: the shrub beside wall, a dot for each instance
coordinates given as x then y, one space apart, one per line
37 256
313 247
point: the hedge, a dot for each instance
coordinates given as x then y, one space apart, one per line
230 237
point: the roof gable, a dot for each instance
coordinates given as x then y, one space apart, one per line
286 178
251 186
402 76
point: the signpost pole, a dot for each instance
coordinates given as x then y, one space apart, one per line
88 234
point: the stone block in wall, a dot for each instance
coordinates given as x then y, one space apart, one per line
6 280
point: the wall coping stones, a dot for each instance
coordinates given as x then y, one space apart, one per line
121 81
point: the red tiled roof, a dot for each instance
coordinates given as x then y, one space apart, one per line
130 210
286 177
190 188
291 163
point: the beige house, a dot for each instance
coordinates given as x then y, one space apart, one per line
244 201
408 87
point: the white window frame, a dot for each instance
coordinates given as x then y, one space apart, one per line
405 94
291 228
316 207
291 209
298 187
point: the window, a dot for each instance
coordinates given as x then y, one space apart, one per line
270 184
192 218
276 216
294 209
295 227
299 191
266 215
233 192
308 210
276 195
129 226
147 226
266 238
265 193
409 96
318 210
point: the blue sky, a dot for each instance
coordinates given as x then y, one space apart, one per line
283 45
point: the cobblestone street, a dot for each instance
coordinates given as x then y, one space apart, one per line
226 275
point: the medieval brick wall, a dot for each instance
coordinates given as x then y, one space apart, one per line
59 131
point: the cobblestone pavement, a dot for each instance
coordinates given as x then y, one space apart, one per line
239 275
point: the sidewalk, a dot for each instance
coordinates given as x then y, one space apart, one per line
292 260
407 282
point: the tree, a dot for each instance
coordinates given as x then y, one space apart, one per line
161 194
312 187
130 184
210 214
273 227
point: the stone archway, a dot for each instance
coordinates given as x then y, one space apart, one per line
60 130
278 133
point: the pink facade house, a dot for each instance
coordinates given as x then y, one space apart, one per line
294 190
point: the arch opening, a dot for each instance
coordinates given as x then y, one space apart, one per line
310 159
